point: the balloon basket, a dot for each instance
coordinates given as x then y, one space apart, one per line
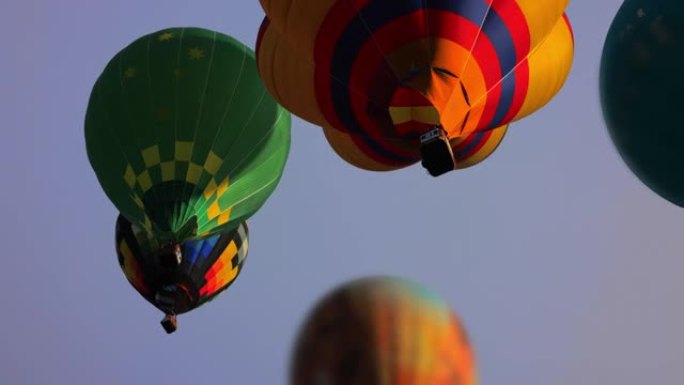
169 323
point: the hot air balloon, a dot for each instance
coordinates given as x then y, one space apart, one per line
179 281
382 330
183 136
394 82
641 92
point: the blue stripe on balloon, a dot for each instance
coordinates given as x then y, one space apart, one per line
208 245
507 93
461 154
192 250
199 250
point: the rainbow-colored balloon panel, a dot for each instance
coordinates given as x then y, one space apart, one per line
208 266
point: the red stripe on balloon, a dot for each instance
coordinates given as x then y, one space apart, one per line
516 23
408 97
412 126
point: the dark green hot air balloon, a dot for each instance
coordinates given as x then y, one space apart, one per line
183 136
642 92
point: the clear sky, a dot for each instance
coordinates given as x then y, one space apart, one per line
564 267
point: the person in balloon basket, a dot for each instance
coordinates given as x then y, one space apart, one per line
170 257
171 294
157 274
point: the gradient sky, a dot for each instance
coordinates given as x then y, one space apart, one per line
565 269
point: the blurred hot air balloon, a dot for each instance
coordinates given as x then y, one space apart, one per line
392 82
186 278
641 92
183 136
382 330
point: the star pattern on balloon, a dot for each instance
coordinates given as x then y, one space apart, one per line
166 36
196 53
661 31
130 72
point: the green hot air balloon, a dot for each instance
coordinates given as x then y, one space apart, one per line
642 92
183 136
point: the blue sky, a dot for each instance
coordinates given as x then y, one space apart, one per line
563 266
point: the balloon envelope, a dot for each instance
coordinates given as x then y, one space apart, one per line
182 134
378 74
641 92
207 266
382 330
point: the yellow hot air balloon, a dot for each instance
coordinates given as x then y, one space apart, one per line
394 82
